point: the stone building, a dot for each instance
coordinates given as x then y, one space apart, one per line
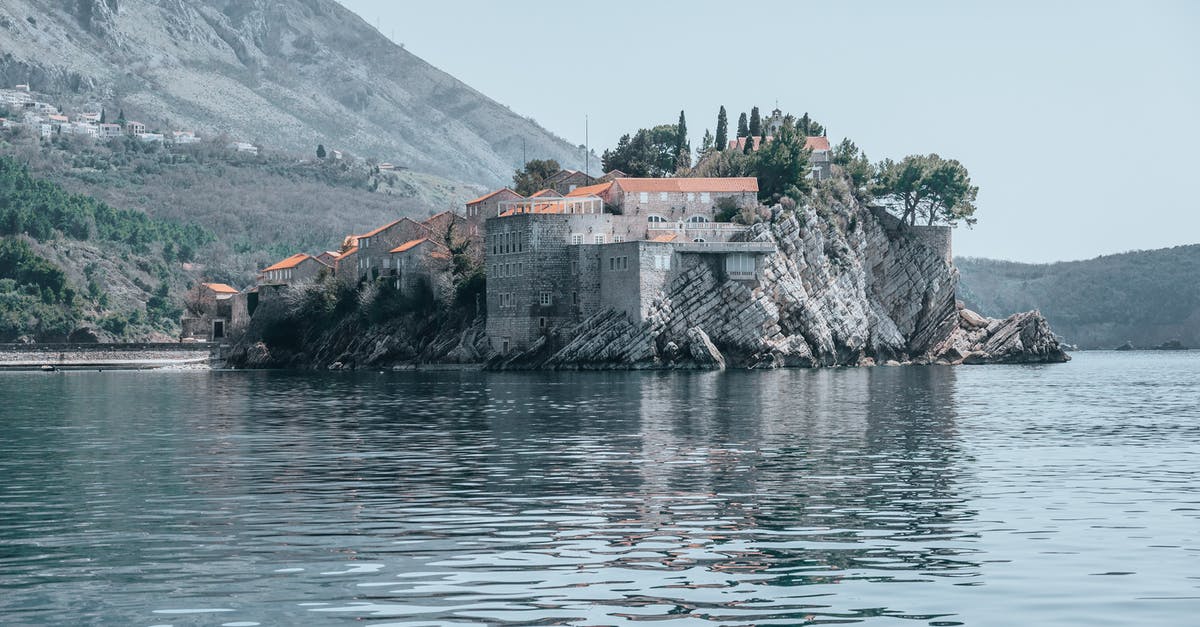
566 181
212 309
485 206
423 264
553 262
294 269
373 255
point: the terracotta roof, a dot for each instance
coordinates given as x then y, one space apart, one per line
665 237
544 192
590 190
816 143
411 244
290 262
445 215
348 252
717 185
408 245
382 228
489 195
220 288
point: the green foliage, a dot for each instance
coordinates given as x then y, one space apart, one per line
1145 297
725 163
683 148
722 139
726 209
927 187
857 167
39 208
809 127
706 145
782 166
755 126
648 153
35 298
532 177
743 128
320 151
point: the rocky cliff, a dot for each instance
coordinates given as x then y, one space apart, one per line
285 73
847 286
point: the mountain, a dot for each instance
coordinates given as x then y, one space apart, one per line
1144 297
286 74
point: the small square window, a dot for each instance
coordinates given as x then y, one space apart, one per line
662 196
644 197
546 300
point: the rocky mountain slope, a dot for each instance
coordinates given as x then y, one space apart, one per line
1145 297
288 74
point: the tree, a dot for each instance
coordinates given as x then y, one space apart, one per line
782 166
103 116
121 117
755 127
743 126
683 148
722 129
927 187
533 176
320 151
706 145
856 165
748 147
648 153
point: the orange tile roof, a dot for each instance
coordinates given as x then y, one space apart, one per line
590 190
717 185
490 194
408 245
348 252
544 192
665 237
382 228
220 288
290 262
816 143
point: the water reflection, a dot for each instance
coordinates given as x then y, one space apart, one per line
443 498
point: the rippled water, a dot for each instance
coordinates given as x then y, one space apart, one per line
1062 494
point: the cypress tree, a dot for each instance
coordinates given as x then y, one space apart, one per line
103 116
683 150
749 147
681 144
722 129
743 127
755 122
320 151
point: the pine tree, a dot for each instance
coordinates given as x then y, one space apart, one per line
682 147
755 122
749 147
121 118
722 129
103 116
320 151
743 127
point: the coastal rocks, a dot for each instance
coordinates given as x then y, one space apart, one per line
702 350
1019 339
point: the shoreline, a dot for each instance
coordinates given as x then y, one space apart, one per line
131 356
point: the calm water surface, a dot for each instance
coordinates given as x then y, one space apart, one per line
1042 495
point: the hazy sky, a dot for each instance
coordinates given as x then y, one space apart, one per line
1078 120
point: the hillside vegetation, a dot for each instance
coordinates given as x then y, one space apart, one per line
286 74
259 209
69 261
1143 297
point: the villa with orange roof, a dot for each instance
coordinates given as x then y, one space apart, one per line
421 264
821 160
372 258
213 311
485 206
294 269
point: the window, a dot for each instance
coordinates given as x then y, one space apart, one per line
691 196
545 299
541 323
699 240
385 262
704 197
644 197
697 219
520 268
662 262
577 238
655 218
740 266
624 263
612 263
364 242
574 267
618 239
574 298
599 239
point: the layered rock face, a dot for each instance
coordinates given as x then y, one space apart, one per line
847 286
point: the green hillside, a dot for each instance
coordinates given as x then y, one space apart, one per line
1144 297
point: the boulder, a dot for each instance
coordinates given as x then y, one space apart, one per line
703 351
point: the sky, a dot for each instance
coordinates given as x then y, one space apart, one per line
1079 121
